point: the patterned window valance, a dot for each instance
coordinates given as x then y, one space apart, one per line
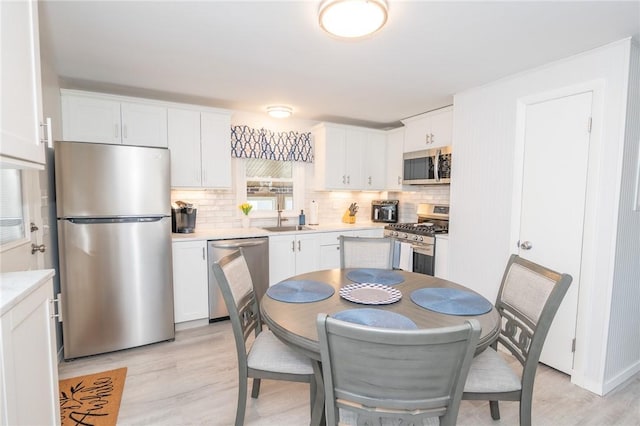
268 145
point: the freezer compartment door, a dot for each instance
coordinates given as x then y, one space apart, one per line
101 180
116 282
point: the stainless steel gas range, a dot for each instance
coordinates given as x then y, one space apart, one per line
432 219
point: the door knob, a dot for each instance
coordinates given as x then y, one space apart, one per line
526 245
34 248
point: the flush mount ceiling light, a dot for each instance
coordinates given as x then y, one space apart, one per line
352 18
279 111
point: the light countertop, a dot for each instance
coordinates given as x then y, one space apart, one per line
16 286
203 233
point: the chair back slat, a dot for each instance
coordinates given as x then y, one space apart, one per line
395 373
527 301
236 287
366 252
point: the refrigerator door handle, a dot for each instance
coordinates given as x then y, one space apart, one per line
95 220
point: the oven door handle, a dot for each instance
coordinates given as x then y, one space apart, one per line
426 249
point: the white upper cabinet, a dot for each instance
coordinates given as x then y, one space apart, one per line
215 140
21 123
349 158
395 143
429 130
91 117
375 161
200 148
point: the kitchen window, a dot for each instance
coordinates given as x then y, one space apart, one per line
264 181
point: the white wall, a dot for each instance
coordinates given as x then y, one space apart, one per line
485 124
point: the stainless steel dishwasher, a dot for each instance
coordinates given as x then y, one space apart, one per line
256 252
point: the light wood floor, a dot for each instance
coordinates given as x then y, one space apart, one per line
193 381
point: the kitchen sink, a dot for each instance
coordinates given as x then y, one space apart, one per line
287 228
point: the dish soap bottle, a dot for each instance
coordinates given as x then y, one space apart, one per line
301 218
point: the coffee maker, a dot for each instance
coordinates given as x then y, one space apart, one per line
183 218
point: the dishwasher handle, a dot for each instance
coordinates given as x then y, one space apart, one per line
238 245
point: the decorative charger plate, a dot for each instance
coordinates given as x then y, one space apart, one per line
370 294
300 291
376 318
375 276
451 301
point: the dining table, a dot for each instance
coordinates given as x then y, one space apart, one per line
409 300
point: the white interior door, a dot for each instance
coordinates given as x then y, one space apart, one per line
556 147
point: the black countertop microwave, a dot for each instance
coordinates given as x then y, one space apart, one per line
427 167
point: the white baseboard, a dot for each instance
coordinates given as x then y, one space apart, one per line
621 377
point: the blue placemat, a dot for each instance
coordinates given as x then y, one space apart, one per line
376 318
375 276
451 301
300 291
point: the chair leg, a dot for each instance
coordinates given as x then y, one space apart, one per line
495 410
525 412
255 389
242 400
317 395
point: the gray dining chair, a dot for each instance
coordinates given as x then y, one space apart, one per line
527 301
378 375
266 357
366 252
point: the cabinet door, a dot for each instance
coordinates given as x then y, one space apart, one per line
375 162
442 258
87 119
395 140
354 158
21 92
415 133
282 254
29 368
190 281
307 253
215 149
441 128
335 155
184 144
144 125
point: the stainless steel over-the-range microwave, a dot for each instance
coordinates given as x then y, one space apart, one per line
427 167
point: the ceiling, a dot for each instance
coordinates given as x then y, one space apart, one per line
245 55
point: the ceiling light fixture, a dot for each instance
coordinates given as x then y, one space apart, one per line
279 111
352 18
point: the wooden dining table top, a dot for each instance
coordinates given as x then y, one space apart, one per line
295 323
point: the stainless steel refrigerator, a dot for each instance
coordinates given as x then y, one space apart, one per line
114 238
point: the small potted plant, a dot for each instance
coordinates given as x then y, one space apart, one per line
246 209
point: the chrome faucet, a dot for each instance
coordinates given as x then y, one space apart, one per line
280 206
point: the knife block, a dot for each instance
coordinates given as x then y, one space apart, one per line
347 218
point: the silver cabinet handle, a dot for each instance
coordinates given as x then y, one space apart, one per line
526 245
299 246
344 179
37 248
349 179
48 132
293 246
369 180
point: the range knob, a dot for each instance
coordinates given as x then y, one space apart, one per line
405 235
420 238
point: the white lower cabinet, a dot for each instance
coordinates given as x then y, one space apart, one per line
292 254
190 281
28 361
330 249
442 257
